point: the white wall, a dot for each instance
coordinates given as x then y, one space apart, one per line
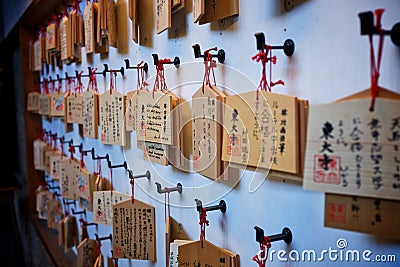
331 61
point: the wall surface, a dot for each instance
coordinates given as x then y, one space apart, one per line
331 61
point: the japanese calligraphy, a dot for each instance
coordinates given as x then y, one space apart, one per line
353 151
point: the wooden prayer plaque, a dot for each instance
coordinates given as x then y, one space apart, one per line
155 122
71 233
163 15
55 164
249 130
198 10
55 213
112 118
154 152
57 104
134 231
353 151
33 102
112 23
131 110
74 108
38 154
206 254
102 205
90 113
44 104
88 252
360 214
67 181
89 26
219 9
207 132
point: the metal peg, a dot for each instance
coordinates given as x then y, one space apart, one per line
178 188
286 235
221 206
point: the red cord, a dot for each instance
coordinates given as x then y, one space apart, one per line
203 223
375 67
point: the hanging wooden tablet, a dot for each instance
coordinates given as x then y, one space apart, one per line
163 15
89 27
71 233
219 9
102 205
112 23
33 102
85 183
133 15
66 40
131 110
155 122
154 152
57 104
67 181
48 154
198 10
204 253
74 108
207 132
55 213
134 231
44 104
60 230
38 154
271 125
88 251
51 37
101 31
42 202
55 166
177 5
90 113
37 56
40 188
112 118
353 151
243 140
173 252
374 216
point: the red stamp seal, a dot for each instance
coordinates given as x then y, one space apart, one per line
336 213
234 147
327 169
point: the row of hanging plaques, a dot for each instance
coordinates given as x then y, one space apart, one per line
257 130
133 221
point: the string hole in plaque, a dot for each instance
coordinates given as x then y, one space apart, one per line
288 4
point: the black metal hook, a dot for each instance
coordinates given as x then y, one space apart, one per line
103 238
62 141
53 187
85 223
287 47
221 206
106 157
65 202
85 152
157 61
220 54
124 165
79 212
368 28
57 194
286 235
121 70
177 188
97 73
80 75
131 176
145 67
80 146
